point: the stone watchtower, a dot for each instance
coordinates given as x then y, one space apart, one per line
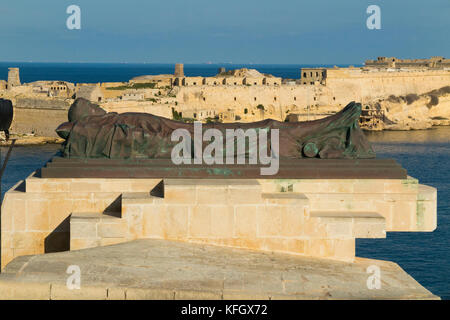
179 70
13 77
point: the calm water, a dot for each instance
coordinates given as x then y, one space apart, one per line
111 72
425 154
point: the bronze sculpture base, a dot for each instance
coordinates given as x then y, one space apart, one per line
60 167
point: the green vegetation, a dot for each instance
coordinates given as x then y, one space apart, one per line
134 86
260 107
439 118
213 120
434 101
176 115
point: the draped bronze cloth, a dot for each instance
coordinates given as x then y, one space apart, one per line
93 133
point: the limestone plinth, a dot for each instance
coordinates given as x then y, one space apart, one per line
311 217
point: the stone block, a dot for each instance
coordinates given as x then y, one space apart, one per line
238 295
83 230
61 292
15 290
246 221
404 215
200 221
37 217
34 241
369 228
244 196
285 198
80 186
111 241
197 295
7 223
323 248
426 193
78 244
154 221
222 221
176 221
296 246
149 294
270 221
339 230
344 249
180 195
426 216
115 293
111 230
214 195
18 215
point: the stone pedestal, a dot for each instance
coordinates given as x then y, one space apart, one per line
309 217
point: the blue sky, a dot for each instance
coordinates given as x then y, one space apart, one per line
237 31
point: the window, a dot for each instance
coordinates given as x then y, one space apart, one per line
304 74
234 98
295 98
254 98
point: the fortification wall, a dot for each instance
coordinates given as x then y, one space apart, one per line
162 110
368 86
342 86
39 116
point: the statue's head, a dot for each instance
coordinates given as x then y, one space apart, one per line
83 108
78 111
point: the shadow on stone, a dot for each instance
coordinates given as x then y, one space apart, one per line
115 208
158 190
59 239
21 187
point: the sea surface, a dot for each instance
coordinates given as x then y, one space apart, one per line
424 153
114 72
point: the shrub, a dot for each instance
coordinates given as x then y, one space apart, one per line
410 98
434 100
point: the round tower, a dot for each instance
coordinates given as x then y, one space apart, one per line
179 70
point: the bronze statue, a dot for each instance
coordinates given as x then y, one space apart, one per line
93 133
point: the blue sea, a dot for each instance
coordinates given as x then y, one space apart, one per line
112 72
424 153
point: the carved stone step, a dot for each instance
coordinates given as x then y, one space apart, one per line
91 229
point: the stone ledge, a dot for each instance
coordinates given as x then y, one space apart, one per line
159 269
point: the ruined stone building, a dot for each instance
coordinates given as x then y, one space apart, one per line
90 92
